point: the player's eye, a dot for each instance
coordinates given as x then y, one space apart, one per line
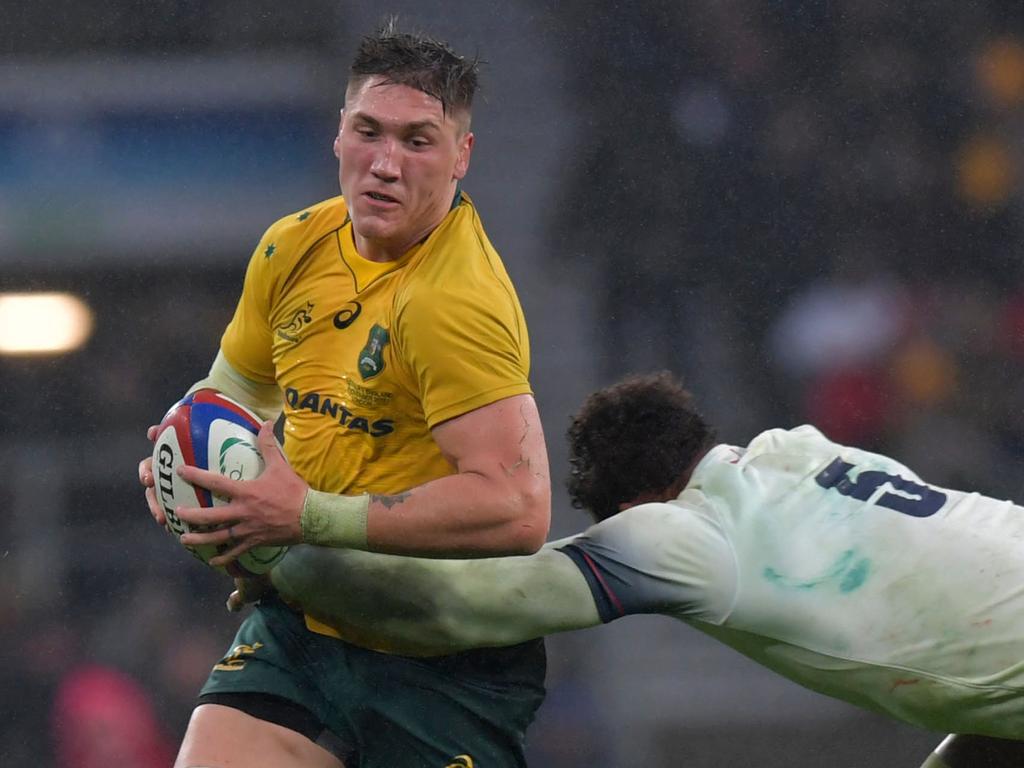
419 142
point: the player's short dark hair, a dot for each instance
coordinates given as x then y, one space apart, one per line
418 61
636 437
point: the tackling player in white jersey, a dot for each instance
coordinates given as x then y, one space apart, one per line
838 568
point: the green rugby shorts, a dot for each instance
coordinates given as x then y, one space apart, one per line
467 710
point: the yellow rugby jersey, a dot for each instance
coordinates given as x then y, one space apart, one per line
371 355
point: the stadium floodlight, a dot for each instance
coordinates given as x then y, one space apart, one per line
43 323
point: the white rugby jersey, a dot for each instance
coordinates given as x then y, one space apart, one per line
838 568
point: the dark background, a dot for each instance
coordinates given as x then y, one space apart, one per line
809 210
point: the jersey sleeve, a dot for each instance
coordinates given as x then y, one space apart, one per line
264 399
465 348
657 558
247 341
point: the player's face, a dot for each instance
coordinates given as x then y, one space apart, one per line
400 157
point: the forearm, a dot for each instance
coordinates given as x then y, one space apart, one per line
461 515
424 607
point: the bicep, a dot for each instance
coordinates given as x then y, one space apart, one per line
503 440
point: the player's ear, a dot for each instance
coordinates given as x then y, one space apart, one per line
337 136
465 149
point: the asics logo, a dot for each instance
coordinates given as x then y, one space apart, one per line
347 315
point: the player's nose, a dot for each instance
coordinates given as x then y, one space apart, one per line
386 165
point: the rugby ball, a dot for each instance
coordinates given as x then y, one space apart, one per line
209 430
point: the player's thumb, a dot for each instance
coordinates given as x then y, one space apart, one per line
267 443
235 602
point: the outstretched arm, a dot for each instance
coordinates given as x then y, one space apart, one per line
427 607
653 558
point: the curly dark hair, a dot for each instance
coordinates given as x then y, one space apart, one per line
636 437
418 61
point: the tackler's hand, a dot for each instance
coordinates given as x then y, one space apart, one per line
260 512
251 589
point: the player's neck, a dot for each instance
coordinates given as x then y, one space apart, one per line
670 493
392 249
684 479
381 251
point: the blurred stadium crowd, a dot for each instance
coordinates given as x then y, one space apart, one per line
812 211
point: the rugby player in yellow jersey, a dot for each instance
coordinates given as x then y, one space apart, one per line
384 325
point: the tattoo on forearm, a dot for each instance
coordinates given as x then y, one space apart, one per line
389 501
